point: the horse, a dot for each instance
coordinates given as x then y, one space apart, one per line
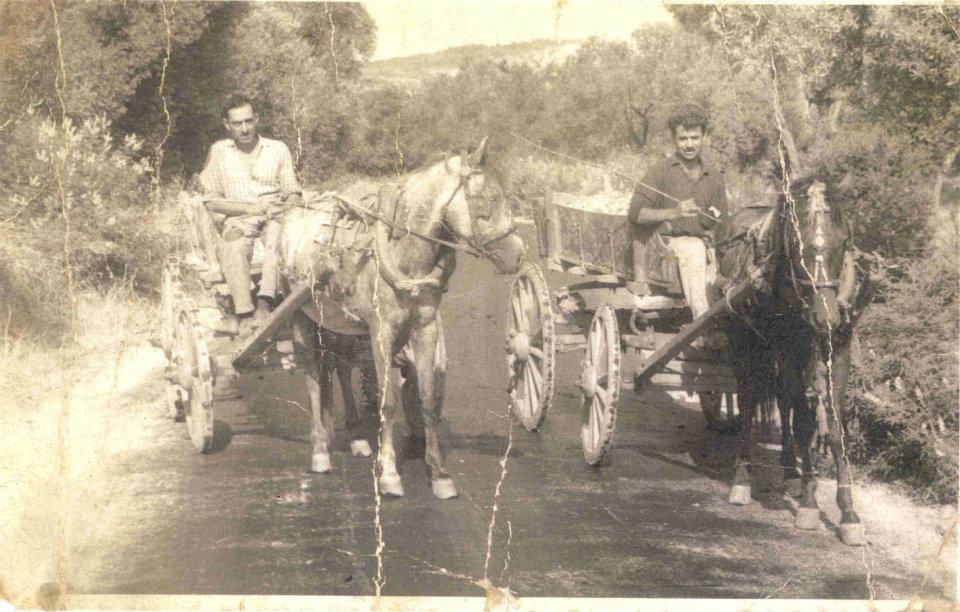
389 288
795 332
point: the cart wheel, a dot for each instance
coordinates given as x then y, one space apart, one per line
600 384
170 292
530 347
195 370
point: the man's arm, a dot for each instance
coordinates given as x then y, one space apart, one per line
648 216
290 190
647 206
209 177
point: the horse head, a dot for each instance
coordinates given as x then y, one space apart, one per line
473 216
816 242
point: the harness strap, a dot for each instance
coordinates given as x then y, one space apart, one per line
363 210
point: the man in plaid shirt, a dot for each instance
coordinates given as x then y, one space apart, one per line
256 174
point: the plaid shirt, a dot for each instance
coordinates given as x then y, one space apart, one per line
226 172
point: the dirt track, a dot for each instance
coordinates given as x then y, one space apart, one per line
146 514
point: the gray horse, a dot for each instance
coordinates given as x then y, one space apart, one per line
391 292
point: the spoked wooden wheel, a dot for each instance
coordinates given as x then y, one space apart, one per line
530 347
170 303
170 295
196 377
600 384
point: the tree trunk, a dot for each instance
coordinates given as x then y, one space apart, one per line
836 109
942 174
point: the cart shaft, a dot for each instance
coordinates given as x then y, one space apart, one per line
255 343
673 348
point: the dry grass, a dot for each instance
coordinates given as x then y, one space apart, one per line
66 423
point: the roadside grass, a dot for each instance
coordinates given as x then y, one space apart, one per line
68 421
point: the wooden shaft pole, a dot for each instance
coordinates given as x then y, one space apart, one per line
255 343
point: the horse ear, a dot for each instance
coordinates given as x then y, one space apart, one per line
480 154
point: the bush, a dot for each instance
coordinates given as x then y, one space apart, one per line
117 230
904 385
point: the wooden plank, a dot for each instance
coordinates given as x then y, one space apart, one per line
256 343
553 244
580 234
648 343
593 298
718 384
689 332
569 342
697 368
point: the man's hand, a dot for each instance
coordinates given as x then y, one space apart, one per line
275 208
688 209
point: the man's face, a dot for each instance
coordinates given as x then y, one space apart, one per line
241 123
688 142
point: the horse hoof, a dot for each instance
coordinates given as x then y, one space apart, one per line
851 534
793 487
320 463
808 518
390 485
443 488
739 495
360 448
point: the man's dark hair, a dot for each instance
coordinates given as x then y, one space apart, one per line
236 101
689 116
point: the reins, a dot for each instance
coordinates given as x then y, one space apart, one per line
363 210
478 251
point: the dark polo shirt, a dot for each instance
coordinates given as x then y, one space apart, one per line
668 177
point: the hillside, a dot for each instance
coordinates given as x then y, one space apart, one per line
414 68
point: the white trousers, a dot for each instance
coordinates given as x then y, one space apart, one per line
698 271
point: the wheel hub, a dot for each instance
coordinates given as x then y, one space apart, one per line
518 345
588 381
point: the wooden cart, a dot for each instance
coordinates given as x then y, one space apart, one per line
634 332
200 335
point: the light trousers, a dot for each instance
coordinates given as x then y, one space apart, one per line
698 271
235 252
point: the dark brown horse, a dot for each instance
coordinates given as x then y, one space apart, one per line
794 334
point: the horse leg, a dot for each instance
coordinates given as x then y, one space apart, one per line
430 378
710 406
740 492
804 430
851 529
383 340
410 399
306 343
792 483
344 363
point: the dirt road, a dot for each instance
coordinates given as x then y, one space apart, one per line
144 513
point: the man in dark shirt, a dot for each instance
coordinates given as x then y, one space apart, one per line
687 200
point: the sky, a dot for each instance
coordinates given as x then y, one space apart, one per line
408 27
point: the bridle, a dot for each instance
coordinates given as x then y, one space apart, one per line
818 276
819 212
466 173
475 250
